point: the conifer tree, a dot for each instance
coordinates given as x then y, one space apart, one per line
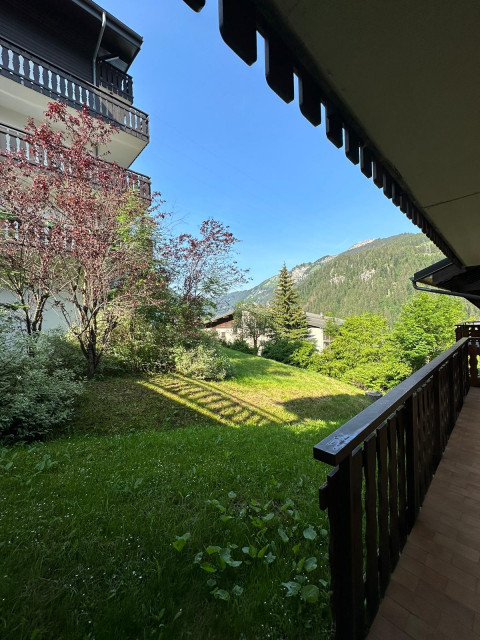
290 321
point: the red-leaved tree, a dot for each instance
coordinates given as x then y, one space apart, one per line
200 269
75 232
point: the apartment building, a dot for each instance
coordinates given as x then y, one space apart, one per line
76 52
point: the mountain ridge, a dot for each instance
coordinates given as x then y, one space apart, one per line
371 276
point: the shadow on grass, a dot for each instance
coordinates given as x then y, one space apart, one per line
122 405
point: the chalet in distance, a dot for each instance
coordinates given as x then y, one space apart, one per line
317 324
396 84
76 52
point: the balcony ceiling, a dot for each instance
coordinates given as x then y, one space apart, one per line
404 76
408 72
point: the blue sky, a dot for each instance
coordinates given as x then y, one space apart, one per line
223 145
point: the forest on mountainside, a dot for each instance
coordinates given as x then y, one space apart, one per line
371 277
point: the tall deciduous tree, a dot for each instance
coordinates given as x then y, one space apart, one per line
363 353
289 319
427 327
200 269
81 236
28 242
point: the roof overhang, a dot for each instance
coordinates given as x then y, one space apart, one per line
224 317
396 84
118 39
450 279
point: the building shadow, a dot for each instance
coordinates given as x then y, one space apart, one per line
163 403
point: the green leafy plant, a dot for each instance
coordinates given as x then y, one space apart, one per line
37 394
242 346
204 361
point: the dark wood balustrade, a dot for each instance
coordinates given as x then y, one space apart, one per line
38 74
115 80
471 330
13 141
384 460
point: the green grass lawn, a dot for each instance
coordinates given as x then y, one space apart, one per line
174 508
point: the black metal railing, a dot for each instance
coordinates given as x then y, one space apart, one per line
384 460
13 141
38 74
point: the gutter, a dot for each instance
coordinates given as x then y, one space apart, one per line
99 41
455 294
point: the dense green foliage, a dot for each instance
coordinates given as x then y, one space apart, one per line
37 387
175 509
426 327
140 344
371 278
299 353
366 352
280 350
374 278
204 360
288 319
242 346
305 356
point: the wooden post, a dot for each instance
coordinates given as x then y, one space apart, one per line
411 428
346 557
451 395
437 432
372 594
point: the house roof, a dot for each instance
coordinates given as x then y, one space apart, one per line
118 39
314 320
397 86
224 317
319 321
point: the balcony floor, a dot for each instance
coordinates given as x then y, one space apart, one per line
434 593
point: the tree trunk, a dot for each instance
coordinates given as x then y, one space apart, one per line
93 360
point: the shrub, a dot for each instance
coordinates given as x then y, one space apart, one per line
36 394
378 376
280 350
303 354
204 361
139 345
243 346
64 351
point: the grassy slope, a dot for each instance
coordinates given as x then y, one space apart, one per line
88 519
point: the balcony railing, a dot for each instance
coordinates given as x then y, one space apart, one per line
115 80
384 460
38 74
13 141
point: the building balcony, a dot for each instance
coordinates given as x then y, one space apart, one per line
403 501
13 141
114 80
28 83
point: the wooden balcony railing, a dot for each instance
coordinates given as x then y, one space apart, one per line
13 141
38 74
384 460
471 330
115 80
